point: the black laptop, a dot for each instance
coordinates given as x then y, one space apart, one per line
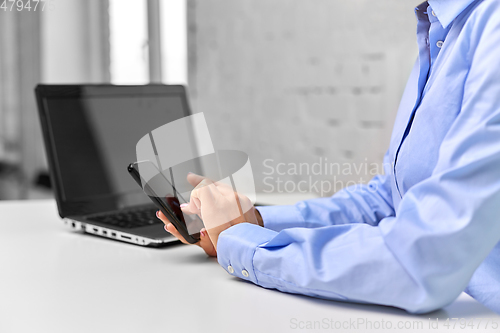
90 134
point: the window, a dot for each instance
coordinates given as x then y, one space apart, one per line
173 18
130 43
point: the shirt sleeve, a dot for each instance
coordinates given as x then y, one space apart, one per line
361 203
422 258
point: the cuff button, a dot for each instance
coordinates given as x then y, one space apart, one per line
245 273
230 269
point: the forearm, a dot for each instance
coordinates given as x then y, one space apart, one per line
294 261
358 204
408 262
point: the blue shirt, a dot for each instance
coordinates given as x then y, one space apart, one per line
429 228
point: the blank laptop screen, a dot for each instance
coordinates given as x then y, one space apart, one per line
95 137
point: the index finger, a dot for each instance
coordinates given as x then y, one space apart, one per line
204 192
194 179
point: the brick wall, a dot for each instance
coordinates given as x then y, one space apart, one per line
301 82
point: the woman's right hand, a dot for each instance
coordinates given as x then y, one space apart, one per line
205 243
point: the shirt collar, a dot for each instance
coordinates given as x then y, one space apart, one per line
447 10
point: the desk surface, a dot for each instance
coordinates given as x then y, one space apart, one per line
54 280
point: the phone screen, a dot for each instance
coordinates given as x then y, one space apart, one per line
172 188
158 186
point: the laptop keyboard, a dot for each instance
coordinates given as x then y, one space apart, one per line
129 219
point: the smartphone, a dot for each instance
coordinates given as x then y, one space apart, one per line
166 198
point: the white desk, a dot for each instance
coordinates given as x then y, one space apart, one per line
53 280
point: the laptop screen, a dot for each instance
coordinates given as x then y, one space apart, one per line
93 134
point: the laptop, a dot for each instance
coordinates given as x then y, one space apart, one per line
90 134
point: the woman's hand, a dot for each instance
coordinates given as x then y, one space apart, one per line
218 206
205 243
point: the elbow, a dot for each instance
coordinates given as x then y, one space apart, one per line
429 305
434 297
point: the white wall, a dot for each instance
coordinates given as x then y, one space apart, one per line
301 81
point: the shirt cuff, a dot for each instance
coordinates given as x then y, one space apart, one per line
278 218
236 247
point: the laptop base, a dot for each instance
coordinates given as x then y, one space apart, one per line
118 235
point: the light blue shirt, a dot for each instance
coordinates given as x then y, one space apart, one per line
428 229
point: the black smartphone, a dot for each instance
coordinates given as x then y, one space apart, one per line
165 196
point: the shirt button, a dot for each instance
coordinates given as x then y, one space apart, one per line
433 14
439 44
245 273
230 269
